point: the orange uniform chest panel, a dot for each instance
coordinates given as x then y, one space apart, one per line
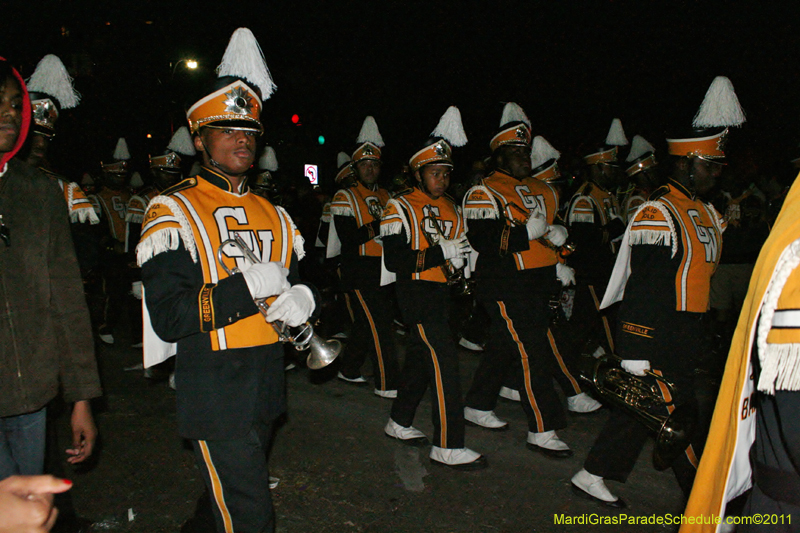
699 231
417 213
356 202
533 196
213 215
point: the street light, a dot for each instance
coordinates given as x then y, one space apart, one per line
191 64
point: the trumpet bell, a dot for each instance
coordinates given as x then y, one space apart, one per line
322 352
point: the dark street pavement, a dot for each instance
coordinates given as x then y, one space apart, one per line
339 473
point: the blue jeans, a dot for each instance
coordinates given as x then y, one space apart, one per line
22 441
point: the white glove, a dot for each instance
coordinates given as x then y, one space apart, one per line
565 274
557 235
536 226
458 262
266 279
136 290
635 367
293 307
459 247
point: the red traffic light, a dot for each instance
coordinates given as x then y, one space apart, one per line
295 119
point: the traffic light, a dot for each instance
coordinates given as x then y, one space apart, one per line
296 119
321 140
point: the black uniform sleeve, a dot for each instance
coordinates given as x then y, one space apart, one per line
180 304
494 237
351 235
614 228
401 259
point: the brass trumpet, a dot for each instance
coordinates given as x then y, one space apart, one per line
455 276
635 395
321 352
518 216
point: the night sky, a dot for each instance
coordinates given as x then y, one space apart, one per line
573 66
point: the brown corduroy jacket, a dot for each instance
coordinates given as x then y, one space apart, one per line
45 334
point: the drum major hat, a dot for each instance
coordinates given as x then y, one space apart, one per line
51 90
236 98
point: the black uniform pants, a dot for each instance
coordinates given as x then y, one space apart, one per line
372 336
670 346
237 478
431 360
622 438
564 374
519 314
588 327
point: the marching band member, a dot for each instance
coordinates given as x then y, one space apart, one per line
113 197
663 276
356 213
50 89
425 245
229 369
166 170
642 176
507 216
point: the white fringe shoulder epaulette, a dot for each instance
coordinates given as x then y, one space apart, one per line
343 210
297 238
476 213
574 216
167 239
136 218
717 218
656 238
394 228
780 363
81 214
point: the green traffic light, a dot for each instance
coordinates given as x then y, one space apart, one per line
321 139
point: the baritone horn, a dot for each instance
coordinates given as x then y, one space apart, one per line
321 352
518 216
455 276
640 398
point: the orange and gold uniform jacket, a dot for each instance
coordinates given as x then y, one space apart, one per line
410 237
80 208
359 203
496 211
691 231
195 217
114 207
594 225
134 215
355 230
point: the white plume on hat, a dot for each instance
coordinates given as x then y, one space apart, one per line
639 147
616 135
542 152
268 161
720 106
121 152
181 142
51 78
243 58
513 113
342 159
369 133
450 128
136 180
